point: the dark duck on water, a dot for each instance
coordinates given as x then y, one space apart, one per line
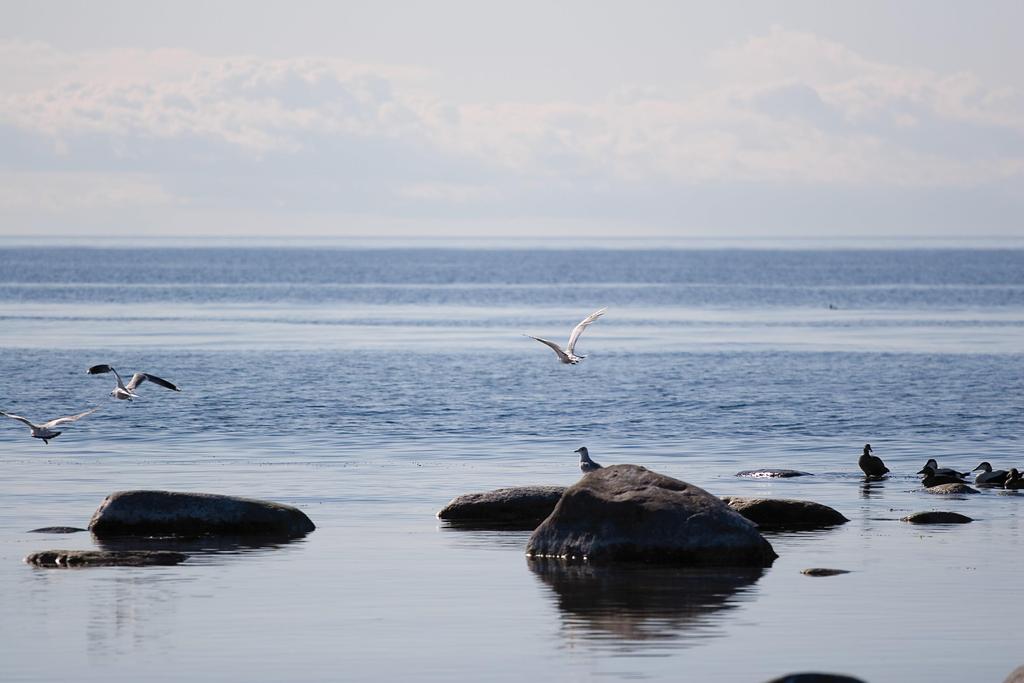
871 465
932 478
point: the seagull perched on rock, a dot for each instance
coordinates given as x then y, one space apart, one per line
567 355
127 391
586 464
45 431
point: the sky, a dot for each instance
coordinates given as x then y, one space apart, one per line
569 120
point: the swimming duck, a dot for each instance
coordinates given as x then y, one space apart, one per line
1013 480
586 464
931 478
943 471
989 476
871 465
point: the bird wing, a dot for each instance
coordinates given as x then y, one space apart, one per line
19 418
99 369
69 418
140 377
554 347
578 330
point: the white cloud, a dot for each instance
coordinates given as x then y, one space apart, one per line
787 108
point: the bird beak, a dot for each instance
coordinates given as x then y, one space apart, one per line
923 472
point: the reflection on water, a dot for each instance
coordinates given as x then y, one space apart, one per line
626 607
871 487
207 545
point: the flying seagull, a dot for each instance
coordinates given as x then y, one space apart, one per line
127 391
45 430
567 355
586 464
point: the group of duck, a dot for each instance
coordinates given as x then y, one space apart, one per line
124 392
873 467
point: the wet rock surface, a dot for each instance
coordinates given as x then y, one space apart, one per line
61 559
136 513
937 518
627 513
773 474
823 571
520 507
781 513
950 489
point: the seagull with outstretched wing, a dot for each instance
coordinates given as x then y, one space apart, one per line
127 391
568 355
45 431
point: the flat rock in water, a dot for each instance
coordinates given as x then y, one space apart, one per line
773 474
56 530
781 513
103 558
937 518
140 513
824 571
950 489
627 513
812 677
522 507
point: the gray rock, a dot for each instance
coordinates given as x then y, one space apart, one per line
624 513
823 571
139 513
937 518
520 507
56 530
773 474
780 513
103 558
950 489
813 677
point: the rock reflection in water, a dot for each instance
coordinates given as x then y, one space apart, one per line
639 604
198 546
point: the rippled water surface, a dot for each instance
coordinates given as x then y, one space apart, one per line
368 386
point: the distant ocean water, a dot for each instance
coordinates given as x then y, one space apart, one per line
370 385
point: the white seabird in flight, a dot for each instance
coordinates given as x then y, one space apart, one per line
127 391
568 355
45 431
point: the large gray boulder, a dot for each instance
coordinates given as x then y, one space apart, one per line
624 513
60 559
520 507
780 513
139 513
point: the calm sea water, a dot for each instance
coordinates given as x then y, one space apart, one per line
368 386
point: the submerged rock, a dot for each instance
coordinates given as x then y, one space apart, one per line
103 558
56 530
937 518
782 513
520 507
950 489
814 677
135 513
625 513
773 474
824 571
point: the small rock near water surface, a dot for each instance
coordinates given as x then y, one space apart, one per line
812 677
627 513
937 518
950 489
521 507
56 530
103 558
785 514
823 571
773 474
136 513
